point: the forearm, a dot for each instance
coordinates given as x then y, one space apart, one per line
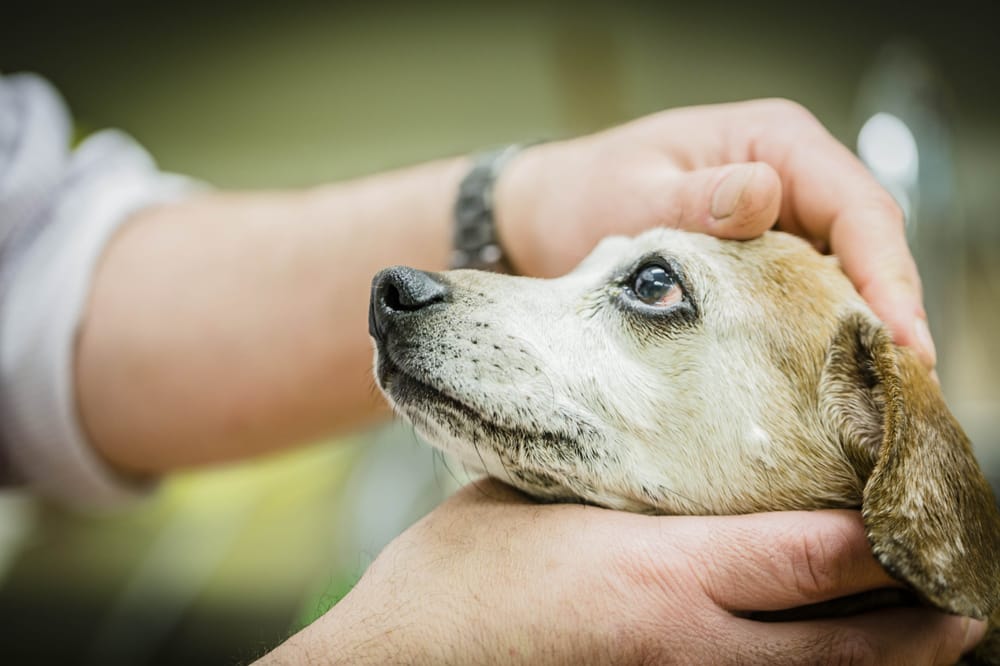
235 323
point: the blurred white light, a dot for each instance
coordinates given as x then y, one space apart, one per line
889 149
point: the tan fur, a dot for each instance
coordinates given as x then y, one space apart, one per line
776 389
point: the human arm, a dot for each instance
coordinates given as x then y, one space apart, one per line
235 323
491 577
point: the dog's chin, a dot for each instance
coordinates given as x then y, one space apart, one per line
528 458
431 410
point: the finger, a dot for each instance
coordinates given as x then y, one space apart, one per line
734 201
829 196
773 561
880 266
896 636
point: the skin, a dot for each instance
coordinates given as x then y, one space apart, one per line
232 324
664 402
162 385
492 577
667 169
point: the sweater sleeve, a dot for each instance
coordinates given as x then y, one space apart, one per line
58 208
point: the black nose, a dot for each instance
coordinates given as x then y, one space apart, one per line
399 291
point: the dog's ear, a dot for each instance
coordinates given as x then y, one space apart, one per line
929 512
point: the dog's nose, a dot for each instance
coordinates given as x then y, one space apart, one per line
398 291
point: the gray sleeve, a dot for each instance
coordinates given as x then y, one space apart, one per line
58 208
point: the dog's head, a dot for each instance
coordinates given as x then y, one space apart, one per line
679 373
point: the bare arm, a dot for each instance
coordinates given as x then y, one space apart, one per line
236 323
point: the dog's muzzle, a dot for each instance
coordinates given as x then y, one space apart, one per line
398 294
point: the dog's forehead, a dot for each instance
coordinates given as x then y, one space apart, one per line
776 277
614 250
609 250
703 248
666 240
773 250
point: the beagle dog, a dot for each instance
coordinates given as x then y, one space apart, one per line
677 373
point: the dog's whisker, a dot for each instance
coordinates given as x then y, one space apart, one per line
680 373
437 461
443 459
479 453
480 487
702 508
549 386
373 386
414 436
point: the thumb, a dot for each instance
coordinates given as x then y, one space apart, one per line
772 561
733 201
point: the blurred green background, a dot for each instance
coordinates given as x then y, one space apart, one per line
221 564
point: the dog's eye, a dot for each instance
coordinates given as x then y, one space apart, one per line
655 285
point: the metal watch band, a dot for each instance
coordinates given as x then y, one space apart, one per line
476 244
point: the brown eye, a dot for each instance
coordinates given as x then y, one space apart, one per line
656 285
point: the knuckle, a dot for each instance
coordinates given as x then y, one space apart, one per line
950 641
900 275
679 205
884 206
653 573
788 111
833 647
670 213
644 596
634 564
814 565
852 649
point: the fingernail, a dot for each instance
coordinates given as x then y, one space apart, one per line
974 632
923 335
728 192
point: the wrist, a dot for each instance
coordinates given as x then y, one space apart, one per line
409 212
516 202
368 626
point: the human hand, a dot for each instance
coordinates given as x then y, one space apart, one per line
731 170
491 577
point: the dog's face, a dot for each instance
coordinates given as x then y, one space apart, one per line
679 373
660 363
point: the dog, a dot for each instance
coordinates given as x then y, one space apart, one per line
677 373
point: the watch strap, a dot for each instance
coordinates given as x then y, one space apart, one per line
476 244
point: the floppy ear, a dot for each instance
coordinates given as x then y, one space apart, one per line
930 514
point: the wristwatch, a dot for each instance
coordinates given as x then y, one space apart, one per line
476 244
